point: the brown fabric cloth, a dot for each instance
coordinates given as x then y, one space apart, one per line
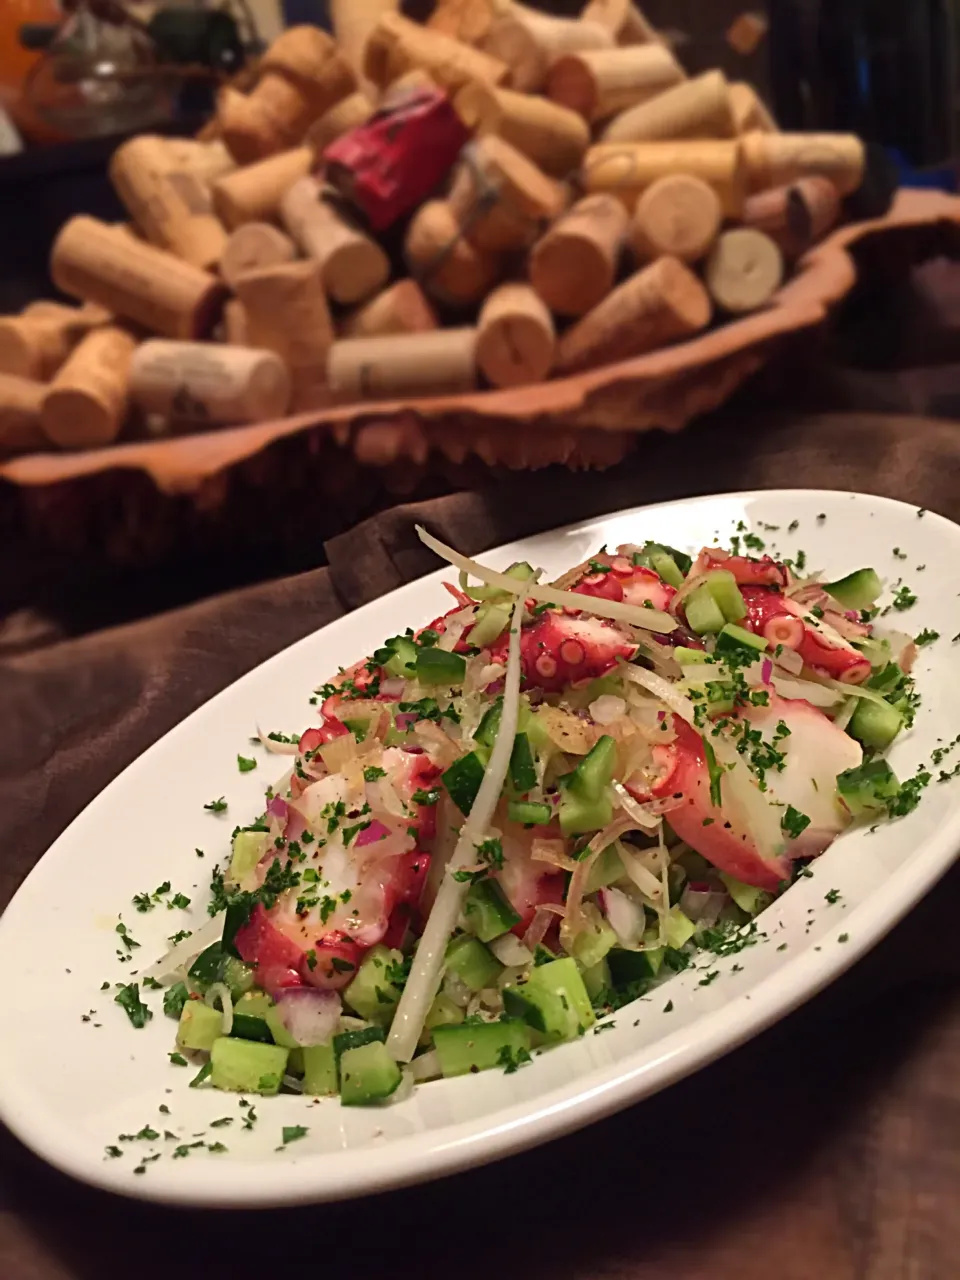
826 1148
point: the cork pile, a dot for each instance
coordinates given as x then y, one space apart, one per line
491 199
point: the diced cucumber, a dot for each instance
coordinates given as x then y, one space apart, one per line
690 657
472 962
443 1013
679 929
489 726
531 813
237 975
704 615
520 570
606 869
402 664
487 910
463 779
371 994
593 941
732 639
436 667
722 585
281 1035
523 770
597 979
492 621
542 1010
246 1028
354 1040
663 564
359 728
593 773
858 590
247 849
866 789
562 978
319 1070
243 1066
199 1025
578 815
367 1074
217 965
254 1004
651 552
634 966
747 896
478 1046
875 725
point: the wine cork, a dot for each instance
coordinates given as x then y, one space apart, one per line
76 320
354 266
574 265
235 323
402 308
349 113
397 45
446 264
626 169
162 293
411 364
255 245
660 304
253 194
467 20
205 161
622 19
287 313
745 33
775 159
85 405
679 215
171 207
602 82
34 347
796 216
550 135
201 382
744 270
697 108
500 199
528 42
516 340
352 22
748 111
21 400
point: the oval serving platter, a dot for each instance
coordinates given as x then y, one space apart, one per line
75 1075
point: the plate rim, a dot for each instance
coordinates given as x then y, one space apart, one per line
586 1097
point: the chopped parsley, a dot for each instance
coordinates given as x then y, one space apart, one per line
373 772
177 1059
128 998
421 796
716 773
844 937
793 822
832 896
512 1059
904 599
217 806
925 637
246 763
668 1007
294 1132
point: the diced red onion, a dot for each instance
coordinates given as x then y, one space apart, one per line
766 671
278 808
310 1015
377 830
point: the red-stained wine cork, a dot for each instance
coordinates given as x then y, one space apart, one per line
744 270
626 169
529 41
397 45
171 206
600 83
402 308
501 199
658 305
287 313
748 111
775 159
203 382
255 245
253 194
349 113
157 290
622 19
679 215
21 400
573 266
412 364
516 339
794 217
548 134
86 403
354 266
698 108
448 266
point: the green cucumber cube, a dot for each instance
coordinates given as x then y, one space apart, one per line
487 912
199 1025
367 1074
474 965
319 1070
243 1066
858 590
679 929
722 585
478 1046
443 1013
371 994
875 725
704 615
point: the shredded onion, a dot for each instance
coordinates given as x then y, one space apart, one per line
276 748
538 926
573 910
185 952
221 990
421 986
645 880
607 709
645 619
662 689
644 817
553 852
510 950
426 1066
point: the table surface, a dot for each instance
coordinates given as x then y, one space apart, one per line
827 1148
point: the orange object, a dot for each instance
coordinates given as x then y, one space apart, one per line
17 62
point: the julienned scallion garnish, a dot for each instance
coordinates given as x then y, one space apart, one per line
519 815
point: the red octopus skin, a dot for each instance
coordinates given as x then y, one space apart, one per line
772 615
748 572
557 650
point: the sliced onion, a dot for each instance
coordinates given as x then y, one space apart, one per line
702 905
645 619
392 688
310 1015
607 709
573 907
220 991
642 877
426 1066
845 714
509 950
440 746
552 852
276 748
538 926
184 953
662 689
643 815
337 753
790 660
627 917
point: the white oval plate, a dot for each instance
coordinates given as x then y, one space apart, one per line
69 1086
